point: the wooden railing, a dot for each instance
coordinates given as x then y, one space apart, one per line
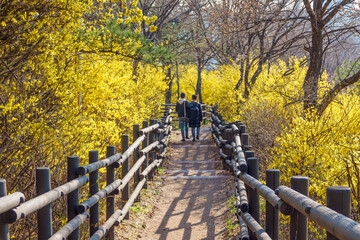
234 149
148 150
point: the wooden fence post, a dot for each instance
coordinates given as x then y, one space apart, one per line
272 214
244 139
125 169
152 153
253 196
242 129
4 228
232 139
228 151
245 142
94 188
145 143
299 222
223 148
73 197
44 221
110 199
249 154
156 152
338 198
160 136
136 156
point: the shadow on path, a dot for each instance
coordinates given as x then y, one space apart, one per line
193 200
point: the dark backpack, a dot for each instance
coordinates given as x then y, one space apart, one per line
194 112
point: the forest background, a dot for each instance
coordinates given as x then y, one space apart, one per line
76 75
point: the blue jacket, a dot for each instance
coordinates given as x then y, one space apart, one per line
195 116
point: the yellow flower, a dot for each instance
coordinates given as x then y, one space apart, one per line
127 13
152 28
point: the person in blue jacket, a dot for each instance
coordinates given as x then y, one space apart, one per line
195 117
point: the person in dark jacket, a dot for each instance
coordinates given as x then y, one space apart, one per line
195 116
182 109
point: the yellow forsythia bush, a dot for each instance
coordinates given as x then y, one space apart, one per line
326 148
100 102
68 86
112 99
218 87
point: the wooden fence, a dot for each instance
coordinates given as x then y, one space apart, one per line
148 150
234 149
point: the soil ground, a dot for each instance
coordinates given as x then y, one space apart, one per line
192 196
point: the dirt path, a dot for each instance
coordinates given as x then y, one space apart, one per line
193 200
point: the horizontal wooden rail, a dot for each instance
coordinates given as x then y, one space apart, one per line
240 154
255 226
244 234
131 173
132 148
234 149
243 203
149 129
153 139
134 195
335 223
119 215
115 217
88 203
70 227
10 201
41 201
261 188
149 148
149 168
82 170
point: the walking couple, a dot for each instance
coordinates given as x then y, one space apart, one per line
189 114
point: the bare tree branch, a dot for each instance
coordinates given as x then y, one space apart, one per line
330 95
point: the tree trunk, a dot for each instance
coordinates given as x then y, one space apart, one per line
135 72
313 74
198 83
246 78
169 90
177 80
238 84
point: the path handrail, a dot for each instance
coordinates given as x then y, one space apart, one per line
10 201
41 201
70 227
132 148
337 224
89 168
15 207
238 158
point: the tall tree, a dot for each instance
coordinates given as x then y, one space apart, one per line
326 26
199 48
251 33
